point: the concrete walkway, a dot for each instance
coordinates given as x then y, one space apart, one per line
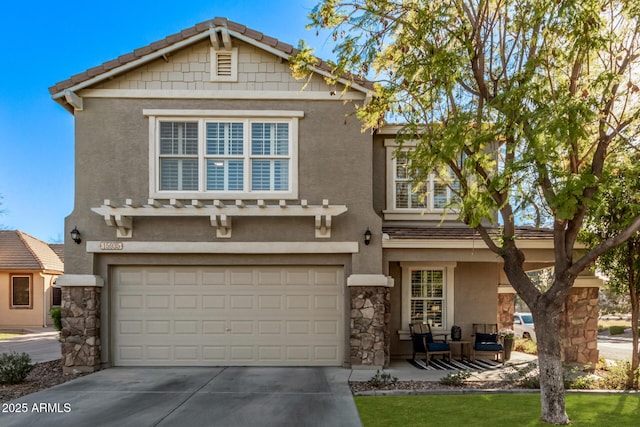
404 371
40 343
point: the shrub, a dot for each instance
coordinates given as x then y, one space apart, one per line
56 315
14 367
455 379
574 378
616 330
529 377
524 345
616 377
382 379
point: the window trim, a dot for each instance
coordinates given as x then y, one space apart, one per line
11 284
55 290
394 213
203 116
449 281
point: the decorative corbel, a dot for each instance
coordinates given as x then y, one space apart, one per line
323 226
122 224
222 224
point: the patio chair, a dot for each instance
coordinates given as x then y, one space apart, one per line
486 340
423 342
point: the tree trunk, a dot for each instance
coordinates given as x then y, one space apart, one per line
549 362
632 381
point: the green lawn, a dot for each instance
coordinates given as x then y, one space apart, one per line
492 410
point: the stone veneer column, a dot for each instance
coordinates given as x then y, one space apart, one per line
370 335
80 336
579 327
506 306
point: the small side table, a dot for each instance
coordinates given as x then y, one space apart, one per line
463 348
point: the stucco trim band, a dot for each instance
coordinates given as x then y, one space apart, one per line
223 247
81 280
370 280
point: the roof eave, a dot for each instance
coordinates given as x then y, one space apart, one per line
60 95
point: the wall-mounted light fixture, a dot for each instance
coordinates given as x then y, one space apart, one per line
75 235
367 236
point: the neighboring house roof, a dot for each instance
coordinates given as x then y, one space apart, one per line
464 233
20 251
58 248
176 41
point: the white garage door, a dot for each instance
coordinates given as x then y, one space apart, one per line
228 316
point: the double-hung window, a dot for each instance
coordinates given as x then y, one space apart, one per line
428 293
407 199
232 157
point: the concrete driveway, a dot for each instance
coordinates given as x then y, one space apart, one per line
234 396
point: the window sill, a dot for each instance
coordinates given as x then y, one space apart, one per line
419 215
196 195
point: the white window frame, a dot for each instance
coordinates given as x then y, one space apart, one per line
448 291
392 212
204 116
21 306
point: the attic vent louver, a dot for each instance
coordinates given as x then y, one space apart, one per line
224 65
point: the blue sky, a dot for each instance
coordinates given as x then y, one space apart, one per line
43 42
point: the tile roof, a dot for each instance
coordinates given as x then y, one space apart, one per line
20 251
168 41
463 233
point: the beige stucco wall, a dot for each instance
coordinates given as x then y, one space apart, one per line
112 162
38 314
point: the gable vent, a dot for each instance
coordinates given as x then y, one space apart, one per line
224 64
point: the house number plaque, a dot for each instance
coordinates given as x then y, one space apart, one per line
111 246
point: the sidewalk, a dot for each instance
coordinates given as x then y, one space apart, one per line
39 343
406 372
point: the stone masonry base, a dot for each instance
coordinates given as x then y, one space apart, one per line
80 334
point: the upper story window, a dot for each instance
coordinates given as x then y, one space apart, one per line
408 200
224 157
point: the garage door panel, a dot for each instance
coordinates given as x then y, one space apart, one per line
241 277
130 301
214 278
228 315
270 328
241 302
187 327
269 278
186 278
130 327
185 301
187 353
214 301
162 327
325 302
157 301
214 327
298 302
158 277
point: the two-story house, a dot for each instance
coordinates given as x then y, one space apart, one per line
228 214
